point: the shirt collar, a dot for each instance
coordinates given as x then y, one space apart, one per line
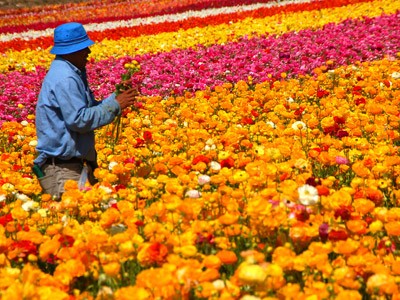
81 73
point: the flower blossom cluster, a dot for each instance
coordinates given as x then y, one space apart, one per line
261 163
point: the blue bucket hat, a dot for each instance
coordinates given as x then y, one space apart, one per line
70 38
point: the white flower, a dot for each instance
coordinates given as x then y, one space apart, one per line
2 197
24 123
170 122
308 195
65 220
289 100
106 189
193 194
33 143
30 205
218 284
147 122
299 125
111 165
215 166
396 75
270 123
22 197
203 179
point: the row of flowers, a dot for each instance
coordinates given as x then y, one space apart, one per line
284 186
20 20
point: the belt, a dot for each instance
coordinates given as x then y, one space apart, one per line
59 161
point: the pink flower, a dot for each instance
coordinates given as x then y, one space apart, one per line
340 160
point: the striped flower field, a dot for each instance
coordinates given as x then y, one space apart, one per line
262 161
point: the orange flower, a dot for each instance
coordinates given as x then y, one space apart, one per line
208 275
227 257
112 269
159 280
393 228
228 219
346 247
69 270
212 262
383 284
357 226
360 169
132 292
363 205
49 247
152 254
109 217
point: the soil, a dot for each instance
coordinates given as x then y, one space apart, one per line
12 4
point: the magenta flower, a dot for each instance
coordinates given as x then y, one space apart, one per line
341 160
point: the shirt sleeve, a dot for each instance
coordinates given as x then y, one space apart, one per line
74 105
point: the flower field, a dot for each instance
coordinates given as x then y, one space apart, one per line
261 161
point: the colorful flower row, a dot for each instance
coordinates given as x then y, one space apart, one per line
105 11
172 23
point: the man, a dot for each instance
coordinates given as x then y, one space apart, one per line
67 113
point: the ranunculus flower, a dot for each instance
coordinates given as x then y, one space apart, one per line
308 195
340 160
203 179
193 194
215 166
299 125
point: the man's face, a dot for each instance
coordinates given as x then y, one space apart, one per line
79 58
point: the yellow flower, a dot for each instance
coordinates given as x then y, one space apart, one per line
112 269
251 274
240 176
132 292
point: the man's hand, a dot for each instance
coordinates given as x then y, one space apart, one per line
127 98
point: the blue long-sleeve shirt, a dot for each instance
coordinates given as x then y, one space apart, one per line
67 114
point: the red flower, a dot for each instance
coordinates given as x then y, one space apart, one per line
148 137
337 235
5 219
66 240
387 83
158 253
138 105
299 111
342 133
254 113
302 215
247 121
120 187
343 212
22 249
139 223
129 160
139 143
228 163
201 158
387 244
360 101
322 93
339 120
